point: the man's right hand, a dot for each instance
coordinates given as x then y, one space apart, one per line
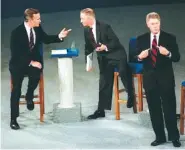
36 64
89 69
64 33
143 54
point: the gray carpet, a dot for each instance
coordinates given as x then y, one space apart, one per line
105 133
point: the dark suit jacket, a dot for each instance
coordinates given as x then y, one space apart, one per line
21 55
163 74
105 35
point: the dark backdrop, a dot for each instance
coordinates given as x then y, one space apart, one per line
14 8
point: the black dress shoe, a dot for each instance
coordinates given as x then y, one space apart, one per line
97 114
30 105
14 125
178 116
157 142
130 102
176 143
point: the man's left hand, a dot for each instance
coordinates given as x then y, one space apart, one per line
64 33
101 48
163 51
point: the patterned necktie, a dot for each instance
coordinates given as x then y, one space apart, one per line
154 51
95 45
31 43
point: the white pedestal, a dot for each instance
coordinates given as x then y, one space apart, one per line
66 110
65 72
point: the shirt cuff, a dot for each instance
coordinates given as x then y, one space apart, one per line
169 55
60 37
106 49
139 59
30 64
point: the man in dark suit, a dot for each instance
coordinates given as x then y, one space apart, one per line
111 54
158 49
26 59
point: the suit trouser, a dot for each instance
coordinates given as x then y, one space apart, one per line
162 101
106 67
17 79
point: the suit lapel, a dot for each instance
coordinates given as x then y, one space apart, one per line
25 35
160 38
36 35
148 40
148 46
87 34
97 31
160 43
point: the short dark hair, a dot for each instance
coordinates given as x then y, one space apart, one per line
29 12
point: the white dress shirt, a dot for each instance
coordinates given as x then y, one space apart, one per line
28 32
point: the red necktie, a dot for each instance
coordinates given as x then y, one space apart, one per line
154 51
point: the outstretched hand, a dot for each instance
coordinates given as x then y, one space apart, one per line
64 33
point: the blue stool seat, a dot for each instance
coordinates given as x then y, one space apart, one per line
137 68
183 83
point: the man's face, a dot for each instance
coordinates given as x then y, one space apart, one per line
85 20
154 25
35 20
